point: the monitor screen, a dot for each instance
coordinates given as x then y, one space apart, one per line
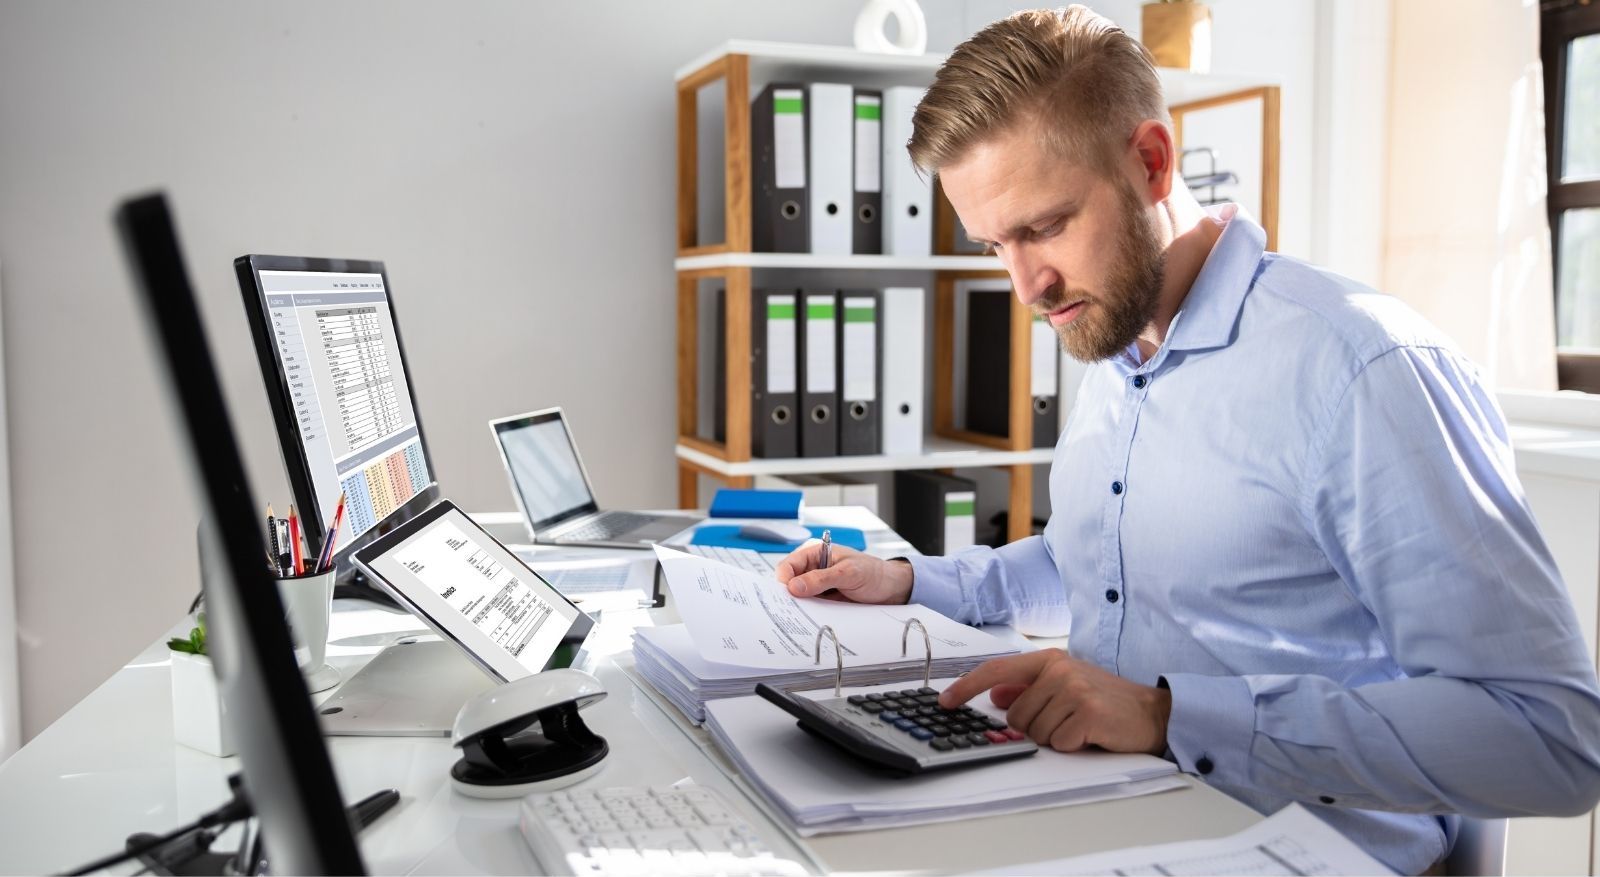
544 465
352 424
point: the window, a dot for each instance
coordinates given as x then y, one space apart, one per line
1570 49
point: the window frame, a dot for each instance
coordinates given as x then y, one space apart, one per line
1561 22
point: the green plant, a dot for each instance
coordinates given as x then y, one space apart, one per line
196 643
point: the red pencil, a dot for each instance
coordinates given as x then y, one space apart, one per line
294 542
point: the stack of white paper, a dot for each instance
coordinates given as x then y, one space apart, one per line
666 657
822 789
741 628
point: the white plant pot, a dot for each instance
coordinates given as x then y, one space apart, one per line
199 719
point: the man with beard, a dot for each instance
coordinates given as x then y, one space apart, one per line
1288 538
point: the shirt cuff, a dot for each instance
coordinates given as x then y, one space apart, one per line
1211 725
936 584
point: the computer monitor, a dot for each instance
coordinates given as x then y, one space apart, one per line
330 350
288 774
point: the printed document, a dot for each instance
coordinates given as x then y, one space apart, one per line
742 618
1289 842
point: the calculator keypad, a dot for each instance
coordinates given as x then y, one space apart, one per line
916 714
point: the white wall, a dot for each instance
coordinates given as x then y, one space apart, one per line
512 162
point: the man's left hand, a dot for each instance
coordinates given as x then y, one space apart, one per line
1068 704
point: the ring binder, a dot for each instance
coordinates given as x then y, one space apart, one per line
927 649
838 654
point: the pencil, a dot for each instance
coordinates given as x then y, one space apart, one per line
297 561
325 558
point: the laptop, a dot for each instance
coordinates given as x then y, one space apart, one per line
554 494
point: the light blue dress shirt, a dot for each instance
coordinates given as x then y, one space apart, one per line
1303 515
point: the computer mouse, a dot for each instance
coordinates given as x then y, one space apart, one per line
782 532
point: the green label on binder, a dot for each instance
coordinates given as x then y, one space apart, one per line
780 312
859 315
868 111
960 505
819 311
788 105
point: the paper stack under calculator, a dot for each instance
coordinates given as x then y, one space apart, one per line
740 628
821 789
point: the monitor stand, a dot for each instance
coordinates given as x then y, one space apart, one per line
413 688
352 585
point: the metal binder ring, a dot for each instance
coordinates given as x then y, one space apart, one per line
838 654
927 646
858 411
780 414
790 209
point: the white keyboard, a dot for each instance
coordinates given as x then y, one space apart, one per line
743 558
631 830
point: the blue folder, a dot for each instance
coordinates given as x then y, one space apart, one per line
736 503
727 536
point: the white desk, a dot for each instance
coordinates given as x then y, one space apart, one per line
109 768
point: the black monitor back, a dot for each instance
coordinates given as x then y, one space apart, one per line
287 771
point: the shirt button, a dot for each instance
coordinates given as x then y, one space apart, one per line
1138 382
1111 596
1203 766
1326 799
1116 487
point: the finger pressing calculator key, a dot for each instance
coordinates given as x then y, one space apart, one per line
905 730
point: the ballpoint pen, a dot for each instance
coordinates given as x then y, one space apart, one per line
827 549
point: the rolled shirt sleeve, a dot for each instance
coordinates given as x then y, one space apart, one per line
1412 494
1017 584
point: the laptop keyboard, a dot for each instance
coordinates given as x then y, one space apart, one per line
608 526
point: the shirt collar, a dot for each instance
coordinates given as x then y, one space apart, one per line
1212 306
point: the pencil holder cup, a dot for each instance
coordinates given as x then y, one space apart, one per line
308 602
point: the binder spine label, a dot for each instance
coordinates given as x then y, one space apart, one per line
1044 357
960 520
781 361
820 352
860 349
869 143
789 137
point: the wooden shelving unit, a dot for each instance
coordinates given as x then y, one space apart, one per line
742 67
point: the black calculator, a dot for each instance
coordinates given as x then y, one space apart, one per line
906 731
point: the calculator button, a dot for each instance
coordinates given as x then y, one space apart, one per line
904 724
927 699
889 716
960 742
872 707
978 739
908 692
1013 734
941 744
940 730
996 725
922 733
924 721
996 737
926 690
873 696
857 699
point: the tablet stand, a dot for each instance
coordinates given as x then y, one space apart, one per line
413 688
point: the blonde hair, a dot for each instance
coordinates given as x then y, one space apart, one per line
1079 77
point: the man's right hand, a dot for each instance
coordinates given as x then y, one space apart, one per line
859 577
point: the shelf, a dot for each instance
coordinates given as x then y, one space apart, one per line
852 263
775 62
1184 87
938 453
800 62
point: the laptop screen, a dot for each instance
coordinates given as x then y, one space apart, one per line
544 467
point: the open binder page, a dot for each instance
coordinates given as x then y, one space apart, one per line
1291 841
741 618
